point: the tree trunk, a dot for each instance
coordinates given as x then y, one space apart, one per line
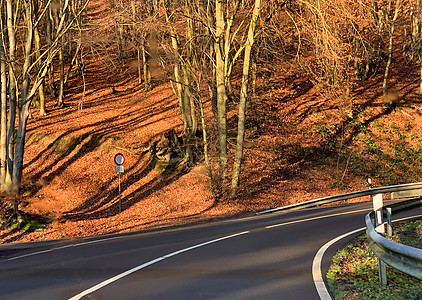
243 98
24 103
420 84
59 16
228 60
206 13
221 90
3 117
390 46
178 76
12 96
60 101
205 141
48 37
121 39
139 65
147 75
187 66
39 64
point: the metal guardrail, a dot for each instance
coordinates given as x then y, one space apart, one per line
342 197
404 258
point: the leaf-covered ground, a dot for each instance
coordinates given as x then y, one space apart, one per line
299 146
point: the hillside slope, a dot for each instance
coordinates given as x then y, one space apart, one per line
299 147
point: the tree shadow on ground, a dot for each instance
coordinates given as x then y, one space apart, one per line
105 204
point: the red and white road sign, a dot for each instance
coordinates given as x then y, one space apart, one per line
119 159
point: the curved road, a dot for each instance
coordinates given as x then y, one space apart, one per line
263 257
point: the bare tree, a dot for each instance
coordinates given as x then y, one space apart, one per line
23 17
243 98
37 38
392 23
3 117
220 82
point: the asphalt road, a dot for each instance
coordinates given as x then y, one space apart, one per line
264 257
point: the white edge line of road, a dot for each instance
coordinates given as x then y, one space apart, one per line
63 247
128 272
316 264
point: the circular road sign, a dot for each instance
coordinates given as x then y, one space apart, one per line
119 159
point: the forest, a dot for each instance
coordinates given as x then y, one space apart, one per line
239 71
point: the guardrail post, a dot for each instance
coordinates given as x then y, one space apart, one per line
382 269
378 210
382 272
389 222
379 227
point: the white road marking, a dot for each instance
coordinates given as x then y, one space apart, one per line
128 272
38 252
316 264
317 218
63 247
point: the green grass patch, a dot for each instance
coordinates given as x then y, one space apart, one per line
31 226
353 273
30 223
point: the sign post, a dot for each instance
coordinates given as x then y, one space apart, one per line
119 160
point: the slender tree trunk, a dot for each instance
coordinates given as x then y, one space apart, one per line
228 60
205 141
187 66
37 40
60 100
72 63
190 114
416 37
24 103
59 17
139 65
48 36
123 41
221 90
3 117
390 46
12 96
178 76
243 98
207 11
420 84
147 75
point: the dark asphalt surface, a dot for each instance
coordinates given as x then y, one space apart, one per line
261 263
